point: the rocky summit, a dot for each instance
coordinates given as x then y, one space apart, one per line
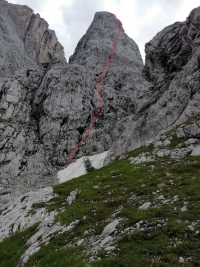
146 197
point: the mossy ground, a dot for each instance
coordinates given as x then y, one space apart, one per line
102 191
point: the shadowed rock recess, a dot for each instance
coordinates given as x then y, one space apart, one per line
46 105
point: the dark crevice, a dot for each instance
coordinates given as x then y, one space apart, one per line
38 111
30 153
45 65
1 94
29 26
118 86
5 162
88 120
92 104
81 129
23 165
2 148
28 73
64 121
184 108
66 151
147 106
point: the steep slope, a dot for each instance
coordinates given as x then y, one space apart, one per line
28 48
46 110
172 66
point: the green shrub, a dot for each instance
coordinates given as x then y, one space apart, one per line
88 165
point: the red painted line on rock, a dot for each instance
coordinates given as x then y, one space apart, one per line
98 92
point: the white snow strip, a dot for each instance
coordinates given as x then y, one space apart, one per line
77 168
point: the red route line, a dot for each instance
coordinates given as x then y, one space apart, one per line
98 92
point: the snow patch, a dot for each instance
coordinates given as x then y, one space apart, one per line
77 168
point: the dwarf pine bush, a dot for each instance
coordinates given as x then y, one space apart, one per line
88 165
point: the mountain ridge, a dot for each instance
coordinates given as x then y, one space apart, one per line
174 103
53 123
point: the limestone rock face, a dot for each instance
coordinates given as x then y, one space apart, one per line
173 67
67 99
47 106
27 49
25 39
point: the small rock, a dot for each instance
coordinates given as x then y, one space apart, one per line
191 141
196 151
144 157
180 133
162 144
71 198
161 197
145 206
110 228
190 227
158 144
194 223
161 185
147 143
162 153
105 240
166 143
137 225
80 242
152 167
166 201
109 248
184 208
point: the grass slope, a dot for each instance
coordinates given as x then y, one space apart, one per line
13 247
165 236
